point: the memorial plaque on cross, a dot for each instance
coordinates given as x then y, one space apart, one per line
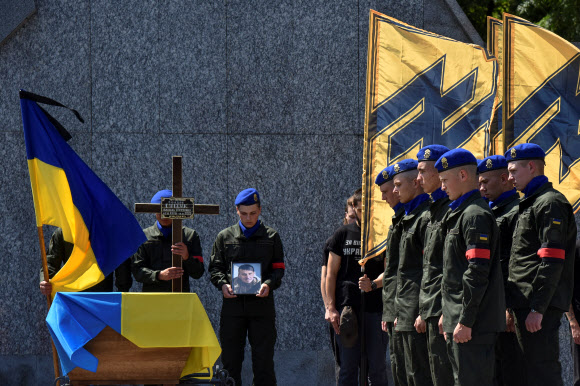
177 208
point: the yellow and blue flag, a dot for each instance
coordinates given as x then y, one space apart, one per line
422 89
147 320
69 195
542 99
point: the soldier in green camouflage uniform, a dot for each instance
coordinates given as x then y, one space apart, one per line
541 268
472 288
385 182
430 294
413 227
503 200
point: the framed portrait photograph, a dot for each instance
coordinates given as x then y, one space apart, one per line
246 278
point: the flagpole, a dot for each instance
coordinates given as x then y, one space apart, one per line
48 299
363 349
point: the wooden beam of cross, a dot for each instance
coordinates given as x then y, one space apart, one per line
177 208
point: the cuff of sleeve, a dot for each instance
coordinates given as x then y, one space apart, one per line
155 276
539 308
220 284
467 321
269 282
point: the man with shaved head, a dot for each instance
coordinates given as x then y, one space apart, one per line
541 268
472 286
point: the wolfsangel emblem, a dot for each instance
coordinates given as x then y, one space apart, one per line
397 168
489 164
255 197
513 153
444 163
428 153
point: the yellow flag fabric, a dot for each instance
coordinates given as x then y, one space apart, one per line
171 320
495 48
542 99
422 89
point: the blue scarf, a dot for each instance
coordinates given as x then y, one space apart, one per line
534 184
459 201
502 197
411 205
438 194
166 231
249 231
398 206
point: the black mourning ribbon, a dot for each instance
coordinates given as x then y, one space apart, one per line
47 101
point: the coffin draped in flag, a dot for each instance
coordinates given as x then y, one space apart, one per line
422 89
542 99
146 319
69 195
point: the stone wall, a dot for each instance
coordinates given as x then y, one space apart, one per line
263 94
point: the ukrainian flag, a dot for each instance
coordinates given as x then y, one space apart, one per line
542 99
147 320
69 195
422 88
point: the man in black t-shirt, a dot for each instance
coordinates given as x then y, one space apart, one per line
343 298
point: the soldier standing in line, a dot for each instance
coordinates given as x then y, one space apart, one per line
472 287
503 201
251 316
430 294
410 271
385 182
541 268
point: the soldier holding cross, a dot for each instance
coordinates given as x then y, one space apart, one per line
152 263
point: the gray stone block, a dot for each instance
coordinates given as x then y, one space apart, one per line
48 56
14 14
324 68
260 73
125 66
192 67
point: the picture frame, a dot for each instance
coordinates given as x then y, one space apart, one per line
249 280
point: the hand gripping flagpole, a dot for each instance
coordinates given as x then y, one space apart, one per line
363 349
48 300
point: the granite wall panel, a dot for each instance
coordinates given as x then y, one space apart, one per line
192 67
259 69
125 66
49 55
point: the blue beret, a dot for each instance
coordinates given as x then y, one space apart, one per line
455 158
385 175
404 166
248 197
493 162
161 194
525 151
431 152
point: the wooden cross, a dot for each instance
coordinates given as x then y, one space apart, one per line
187 210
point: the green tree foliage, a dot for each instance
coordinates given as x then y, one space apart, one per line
559 16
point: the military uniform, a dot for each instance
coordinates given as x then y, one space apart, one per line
60 250
430 294
248 314
472 289
389 292
413 227
541 275
154 256
509 357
